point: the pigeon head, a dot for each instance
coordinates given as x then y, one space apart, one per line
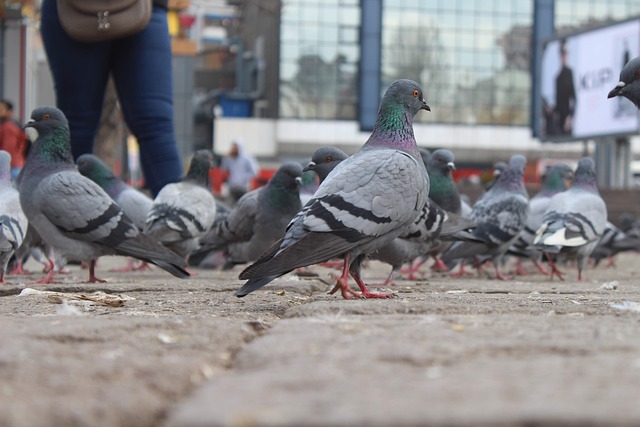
585 174
288 175
5 166
407 92
441 161
443 189
513 175
629 84
324 160
199 168
394 124
52 145
46 119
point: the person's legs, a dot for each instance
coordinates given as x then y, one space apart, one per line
80 72
142 75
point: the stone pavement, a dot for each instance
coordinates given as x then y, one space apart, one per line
447 351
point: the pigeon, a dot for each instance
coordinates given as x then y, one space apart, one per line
427 232
443 190
612 242
424 154
574 220
444 193
308 186
74 214
184 211
500 215
368 200
259 218
417 239
13 222
553 182
324 160
134 203
629 84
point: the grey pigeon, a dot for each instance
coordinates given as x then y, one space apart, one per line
368 200
324 160
500 215
259 218
612 242
574 221
553 182
74 214
426 233
443 192
184 211
417 239
13 222
629 84
443 189
425 155
134 203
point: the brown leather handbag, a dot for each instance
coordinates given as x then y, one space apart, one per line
91 21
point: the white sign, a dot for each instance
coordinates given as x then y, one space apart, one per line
577 73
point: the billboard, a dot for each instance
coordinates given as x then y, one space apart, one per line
577 72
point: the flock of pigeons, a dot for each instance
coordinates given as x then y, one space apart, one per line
391 201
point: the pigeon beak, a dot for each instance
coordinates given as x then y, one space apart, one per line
309 167
29 124
298 180
616 91
452 166
425 106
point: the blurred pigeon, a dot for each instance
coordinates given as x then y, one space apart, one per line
613 241
259 218
498 168
184 211
443 189
134 203
553 182
500 215
72 213
13 222
629 84
574 220
308 186
424 154
368 200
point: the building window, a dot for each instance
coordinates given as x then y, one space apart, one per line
319 59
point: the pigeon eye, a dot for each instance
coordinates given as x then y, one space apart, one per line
327 159
46 117
638 74
416 93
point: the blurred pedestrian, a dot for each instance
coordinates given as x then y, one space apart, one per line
242 167
140 65
13 139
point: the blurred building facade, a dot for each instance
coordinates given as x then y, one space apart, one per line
286 74
473 59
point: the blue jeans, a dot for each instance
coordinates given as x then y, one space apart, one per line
141 68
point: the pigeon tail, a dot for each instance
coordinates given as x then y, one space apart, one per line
146 249
254 284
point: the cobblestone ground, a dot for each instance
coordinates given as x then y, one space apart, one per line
158 351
